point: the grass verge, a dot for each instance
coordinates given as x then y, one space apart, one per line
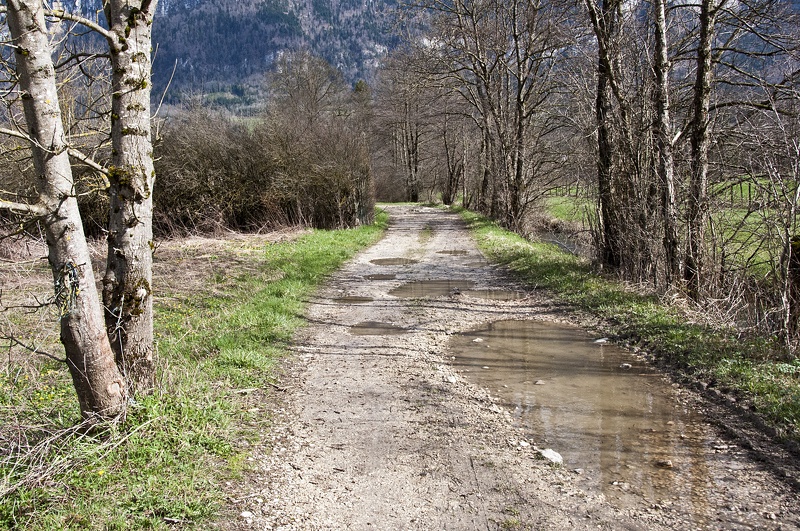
750 369
167 463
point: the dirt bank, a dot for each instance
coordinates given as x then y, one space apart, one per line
375 429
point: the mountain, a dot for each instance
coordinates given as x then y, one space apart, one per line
224 47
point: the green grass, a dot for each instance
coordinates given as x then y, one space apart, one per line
169 460
569 209
750 368
746 238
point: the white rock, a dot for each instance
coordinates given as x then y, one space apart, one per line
246 514
552 456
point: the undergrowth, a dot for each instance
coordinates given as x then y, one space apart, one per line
749 368
167 462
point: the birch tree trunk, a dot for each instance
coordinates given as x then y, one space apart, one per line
97 380
127 285
666 164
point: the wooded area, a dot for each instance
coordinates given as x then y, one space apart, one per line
658 114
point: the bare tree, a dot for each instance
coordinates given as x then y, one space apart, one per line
606 23
698 208
317 137
664 145
502 57
128 330
403 118
100 386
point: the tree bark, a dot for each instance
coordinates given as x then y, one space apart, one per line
698 213
127 285
666 164
99 384
605 23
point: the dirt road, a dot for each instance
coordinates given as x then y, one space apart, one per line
377 431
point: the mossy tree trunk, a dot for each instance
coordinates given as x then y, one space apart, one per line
127 286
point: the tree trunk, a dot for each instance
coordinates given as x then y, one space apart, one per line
127 286
666 165
698 214
605 28
791 294
97 380
410 154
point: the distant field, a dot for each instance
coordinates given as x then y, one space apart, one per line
569 208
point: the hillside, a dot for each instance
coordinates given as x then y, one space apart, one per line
224 47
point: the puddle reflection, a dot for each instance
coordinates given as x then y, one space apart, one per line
380 277
393 261
604 411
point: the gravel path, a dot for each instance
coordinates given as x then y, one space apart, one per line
377 431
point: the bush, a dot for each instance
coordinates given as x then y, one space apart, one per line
215 172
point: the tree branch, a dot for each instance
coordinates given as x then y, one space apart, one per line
76 154
13 132
94 26
34 350
22 208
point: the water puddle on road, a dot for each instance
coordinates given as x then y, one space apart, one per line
454 252
496 294
380 277
353 299
615 421
376 328
431 288
393 261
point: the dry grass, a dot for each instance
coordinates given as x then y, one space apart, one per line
181 270
37 404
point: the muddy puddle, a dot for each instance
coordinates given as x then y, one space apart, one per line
393 261
431 288
376 328
496 294
454 252
615 422
379 276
